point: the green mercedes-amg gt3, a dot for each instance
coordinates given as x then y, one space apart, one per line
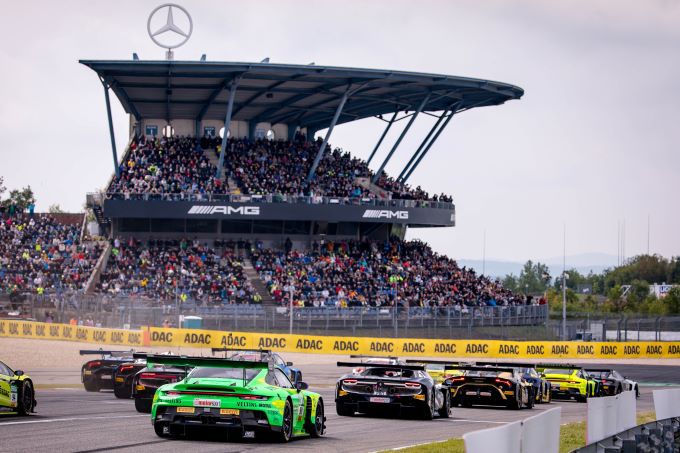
244 398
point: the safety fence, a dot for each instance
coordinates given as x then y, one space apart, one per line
322 344
537 434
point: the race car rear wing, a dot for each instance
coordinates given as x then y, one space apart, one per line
508 364
439 362
363 356
103 352
599 370
499 369
381 365
261 351
566 366
209 362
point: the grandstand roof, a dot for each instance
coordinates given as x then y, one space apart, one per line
305 95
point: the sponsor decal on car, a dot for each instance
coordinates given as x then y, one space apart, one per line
229 412
185 410
379 399
198 402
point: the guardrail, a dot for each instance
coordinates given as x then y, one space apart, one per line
275 198
657 436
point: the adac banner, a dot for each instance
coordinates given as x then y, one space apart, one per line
51 331
413 347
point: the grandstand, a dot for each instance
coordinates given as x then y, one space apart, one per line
224 195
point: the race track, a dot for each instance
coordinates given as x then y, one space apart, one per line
72 420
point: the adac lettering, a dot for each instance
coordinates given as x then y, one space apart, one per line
445 348
2 328
608 350
54 331
40 330
559 349
68 332
267 343
117 337
342 345
382 346
585 350
233 340
27 329
413 347
631 350
654 350
474 348
13 328
99 336
197 338
315 345
81 334
673 349
512 349
161 337
533 349
134 338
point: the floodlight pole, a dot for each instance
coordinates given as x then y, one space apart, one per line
227 125
382 137
401 137
427 148
322 148
422 145
116 168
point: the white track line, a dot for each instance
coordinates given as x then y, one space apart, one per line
71 419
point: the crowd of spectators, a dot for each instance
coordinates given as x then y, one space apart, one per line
179 168
354 273
166 168
171 271
40 255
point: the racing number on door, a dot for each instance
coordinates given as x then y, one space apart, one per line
5 390
296 397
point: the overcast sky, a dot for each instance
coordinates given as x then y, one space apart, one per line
593 141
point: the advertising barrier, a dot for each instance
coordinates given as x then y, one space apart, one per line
537 434
50 331
666 403
158 336
610 415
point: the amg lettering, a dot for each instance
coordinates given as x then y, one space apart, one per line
385 214
224 210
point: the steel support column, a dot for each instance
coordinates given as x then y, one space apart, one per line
427 148
401 137
422 145
116 167
227 125
322 148
382 137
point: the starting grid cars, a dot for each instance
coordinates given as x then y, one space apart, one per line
256 393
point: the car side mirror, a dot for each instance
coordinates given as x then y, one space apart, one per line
289 363
18 373
301 385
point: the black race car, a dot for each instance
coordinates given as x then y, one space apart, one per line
390 388
97 374
542 387
612 382
491 386
123 375
146 381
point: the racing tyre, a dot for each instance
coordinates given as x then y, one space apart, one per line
90 387
531 399
287 424
517 404
445 410
427 411
143 406
161 429
121 392
582 398
343 410
317 427
637 392
26 398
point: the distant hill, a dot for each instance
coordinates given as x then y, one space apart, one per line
584 263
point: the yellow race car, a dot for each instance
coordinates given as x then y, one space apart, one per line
570 381
439 370
16 391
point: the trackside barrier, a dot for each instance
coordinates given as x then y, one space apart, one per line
50 331
666 403
610 415
537 434
158 336
658 436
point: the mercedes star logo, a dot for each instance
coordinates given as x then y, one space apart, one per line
170 28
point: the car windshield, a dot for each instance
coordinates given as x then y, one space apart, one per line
223 373
558 371
599 374
253 356
530 371
490 373
388 372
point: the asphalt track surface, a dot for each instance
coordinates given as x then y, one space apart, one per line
72 420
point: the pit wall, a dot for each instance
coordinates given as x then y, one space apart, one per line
162 337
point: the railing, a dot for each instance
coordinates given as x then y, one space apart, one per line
277 198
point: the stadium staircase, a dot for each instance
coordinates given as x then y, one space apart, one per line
214 159
258 284
96 274
375 190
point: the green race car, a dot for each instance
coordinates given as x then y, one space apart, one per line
16 391
569 381
243 398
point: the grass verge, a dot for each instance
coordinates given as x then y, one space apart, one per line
572 436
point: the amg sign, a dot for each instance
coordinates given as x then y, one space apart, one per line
224 210
385 214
